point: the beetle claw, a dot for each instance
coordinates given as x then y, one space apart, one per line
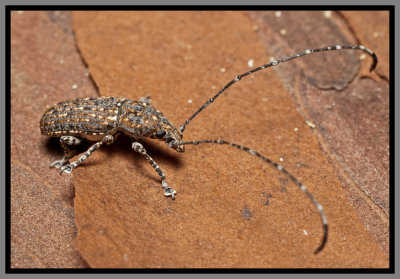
66 168
58 164
168 191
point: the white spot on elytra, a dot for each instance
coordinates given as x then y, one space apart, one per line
190 101
305 232
223 70
375 35
363 56
250 63
296 129
74 86
283 32
279 167
278 13
281 159
303 187
20 12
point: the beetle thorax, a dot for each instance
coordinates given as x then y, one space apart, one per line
139 119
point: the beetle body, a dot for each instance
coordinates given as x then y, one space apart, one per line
94 118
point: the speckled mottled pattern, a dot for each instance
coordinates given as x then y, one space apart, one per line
140 119
82 117
93 118
101 119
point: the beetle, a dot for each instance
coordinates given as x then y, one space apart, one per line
102 119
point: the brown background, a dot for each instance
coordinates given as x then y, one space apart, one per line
231 210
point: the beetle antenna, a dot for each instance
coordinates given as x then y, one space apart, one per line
285 172
275 63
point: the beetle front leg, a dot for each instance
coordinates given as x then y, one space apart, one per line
109 139
68 154
168 191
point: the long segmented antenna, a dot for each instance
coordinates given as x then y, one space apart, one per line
281 169
277 62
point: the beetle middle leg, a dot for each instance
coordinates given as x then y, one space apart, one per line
168 191
108 139
146 99
68 154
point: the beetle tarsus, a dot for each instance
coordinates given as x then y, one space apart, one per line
67 168
168 191
58 163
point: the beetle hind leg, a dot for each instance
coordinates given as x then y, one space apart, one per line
66 141
108 139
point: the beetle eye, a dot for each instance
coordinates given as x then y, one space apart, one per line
171 142
160 133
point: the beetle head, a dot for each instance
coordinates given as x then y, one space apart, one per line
172 137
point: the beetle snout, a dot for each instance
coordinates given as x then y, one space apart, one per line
176 145
180 148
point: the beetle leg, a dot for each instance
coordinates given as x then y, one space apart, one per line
146 99
65 141
168 191
69 167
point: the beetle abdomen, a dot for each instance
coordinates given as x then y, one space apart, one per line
85 117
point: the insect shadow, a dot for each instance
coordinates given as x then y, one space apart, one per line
156 149
121 146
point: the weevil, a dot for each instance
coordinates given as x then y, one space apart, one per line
102 119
